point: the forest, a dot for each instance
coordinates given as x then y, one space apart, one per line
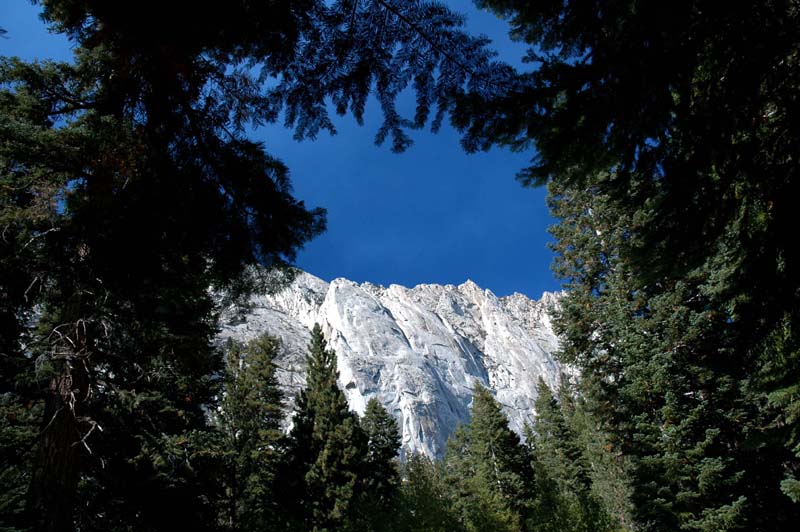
131 196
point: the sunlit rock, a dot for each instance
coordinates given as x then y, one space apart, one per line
418 350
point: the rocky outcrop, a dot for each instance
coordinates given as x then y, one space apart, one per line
418 350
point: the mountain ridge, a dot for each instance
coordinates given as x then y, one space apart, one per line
418 350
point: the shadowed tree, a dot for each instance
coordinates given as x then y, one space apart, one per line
668 135
326 447
382 475
486 469
377 505
252 443
425 506
129 188
565 498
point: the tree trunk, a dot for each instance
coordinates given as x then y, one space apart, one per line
51 499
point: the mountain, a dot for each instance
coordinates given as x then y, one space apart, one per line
419 350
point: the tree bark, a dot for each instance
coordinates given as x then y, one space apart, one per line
52 495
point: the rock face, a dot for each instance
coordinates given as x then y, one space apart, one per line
418 350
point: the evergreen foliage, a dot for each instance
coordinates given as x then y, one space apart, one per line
667 374
668 136
383 446
252 442
18 430
129 188
565 497
487 470
607 466
380 476
424 502
326 447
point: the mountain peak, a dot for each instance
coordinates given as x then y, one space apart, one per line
470 286
418 350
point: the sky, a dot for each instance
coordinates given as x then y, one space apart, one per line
432 214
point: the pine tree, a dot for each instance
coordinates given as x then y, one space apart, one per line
326 447
380 477
129 188
487 470
383 446
124 241
666 136
498 449
550 511
18 430
567 499
607 467
654 367
424 504
252 441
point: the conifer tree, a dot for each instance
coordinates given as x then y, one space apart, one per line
487 470
607 467
252 441
129 188
18 430
382 475
326 447
565 485
377 504
678 409
498 449
666 135
424 502
549 511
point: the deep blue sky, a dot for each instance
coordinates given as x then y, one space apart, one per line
430 215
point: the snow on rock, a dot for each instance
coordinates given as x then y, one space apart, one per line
418 350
